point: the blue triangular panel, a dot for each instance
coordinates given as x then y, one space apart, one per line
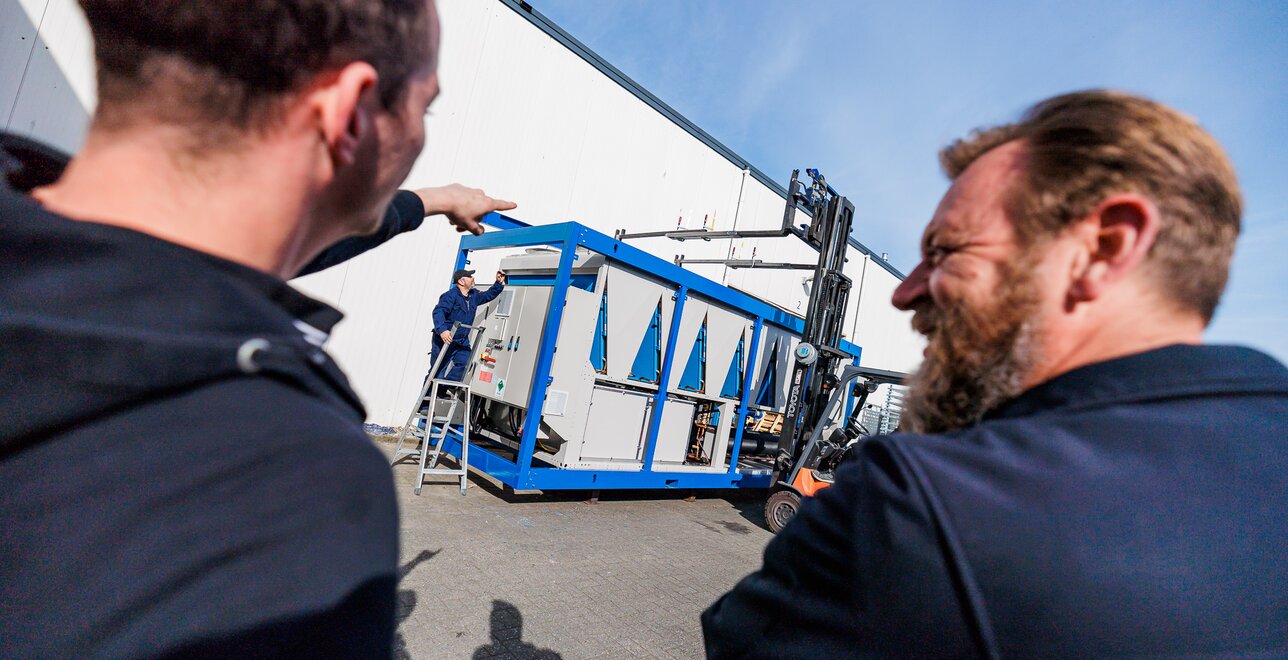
647 366
733 381
694 376
767 395
599 346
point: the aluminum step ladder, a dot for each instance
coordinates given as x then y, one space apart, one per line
430 429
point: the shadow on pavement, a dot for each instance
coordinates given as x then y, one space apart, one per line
506 632
407 602
750 504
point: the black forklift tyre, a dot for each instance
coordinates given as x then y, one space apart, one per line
780 508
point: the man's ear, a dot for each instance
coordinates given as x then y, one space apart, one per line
341 102
1117 237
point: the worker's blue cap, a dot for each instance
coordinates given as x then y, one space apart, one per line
456 277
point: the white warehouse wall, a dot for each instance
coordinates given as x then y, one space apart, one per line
46 71
524 118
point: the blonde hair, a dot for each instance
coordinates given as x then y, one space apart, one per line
1084 146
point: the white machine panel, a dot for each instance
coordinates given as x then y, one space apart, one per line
632 301
695 311
724 329
615 426
512 341
523 344
673 434
785 342
571 371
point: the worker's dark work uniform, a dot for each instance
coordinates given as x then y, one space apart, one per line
453 307
1136 507
181 469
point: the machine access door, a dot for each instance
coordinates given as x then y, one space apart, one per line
615 426
522 344
507 357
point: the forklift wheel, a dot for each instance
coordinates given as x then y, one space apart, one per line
780 508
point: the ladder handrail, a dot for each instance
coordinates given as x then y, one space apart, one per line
436 427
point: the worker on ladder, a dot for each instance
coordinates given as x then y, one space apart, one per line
458 305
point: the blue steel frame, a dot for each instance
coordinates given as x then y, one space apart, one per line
568 236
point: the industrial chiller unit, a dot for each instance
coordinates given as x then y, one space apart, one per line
601 366
643 373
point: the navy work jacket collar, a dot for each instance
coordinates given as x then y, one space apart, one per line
315 313
1175 371
26 164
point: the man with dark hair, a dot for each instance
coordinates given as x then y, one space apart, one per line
183 469
1080 476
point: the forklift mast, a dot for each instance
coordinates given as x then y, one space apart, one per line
817 356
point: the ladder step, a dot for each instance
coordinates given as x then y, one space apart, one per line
442 472
430 428
432 420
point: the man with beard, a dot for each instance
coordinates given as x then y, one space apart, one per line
1079 476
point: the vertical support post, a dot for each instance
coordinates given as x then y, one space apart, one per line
462 258
746 396
659 399
849 394
545 355
465 442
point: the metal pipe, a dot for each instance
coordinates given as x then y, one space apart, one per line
745 263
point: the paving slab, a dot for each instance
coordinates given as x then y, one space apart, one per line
499 575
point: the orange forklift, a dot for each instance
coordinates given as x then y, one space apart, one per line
805 459
814 461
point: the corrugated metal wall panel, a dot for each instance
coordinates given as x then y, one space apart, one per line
19 23
47 90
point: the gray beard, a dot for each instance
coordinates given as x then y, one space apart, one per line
976 359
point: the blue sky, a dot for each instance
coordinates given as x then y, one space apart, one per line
868 93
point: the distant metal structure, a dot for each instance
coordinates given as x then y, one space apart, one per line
892 411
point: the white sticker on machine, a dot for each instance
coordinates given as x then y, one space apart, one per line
556 403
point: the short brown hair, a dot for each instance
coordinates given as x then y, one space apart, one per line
1084 146
227 62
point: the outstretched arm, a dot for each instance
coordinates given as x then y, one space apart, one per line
464 208
494 290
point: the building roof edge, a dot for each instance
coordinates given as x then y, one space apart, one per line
543 23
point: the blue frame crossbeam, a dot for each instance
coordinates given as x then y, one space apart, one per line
577 234
547 478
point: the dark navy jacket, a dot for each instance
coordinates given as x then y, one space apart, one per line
181 469
452 308
1135 507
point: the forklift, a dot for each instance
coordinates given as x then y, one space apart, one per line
805 460
808 467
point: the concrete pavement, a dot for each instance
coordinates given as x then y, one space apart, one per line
496 575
